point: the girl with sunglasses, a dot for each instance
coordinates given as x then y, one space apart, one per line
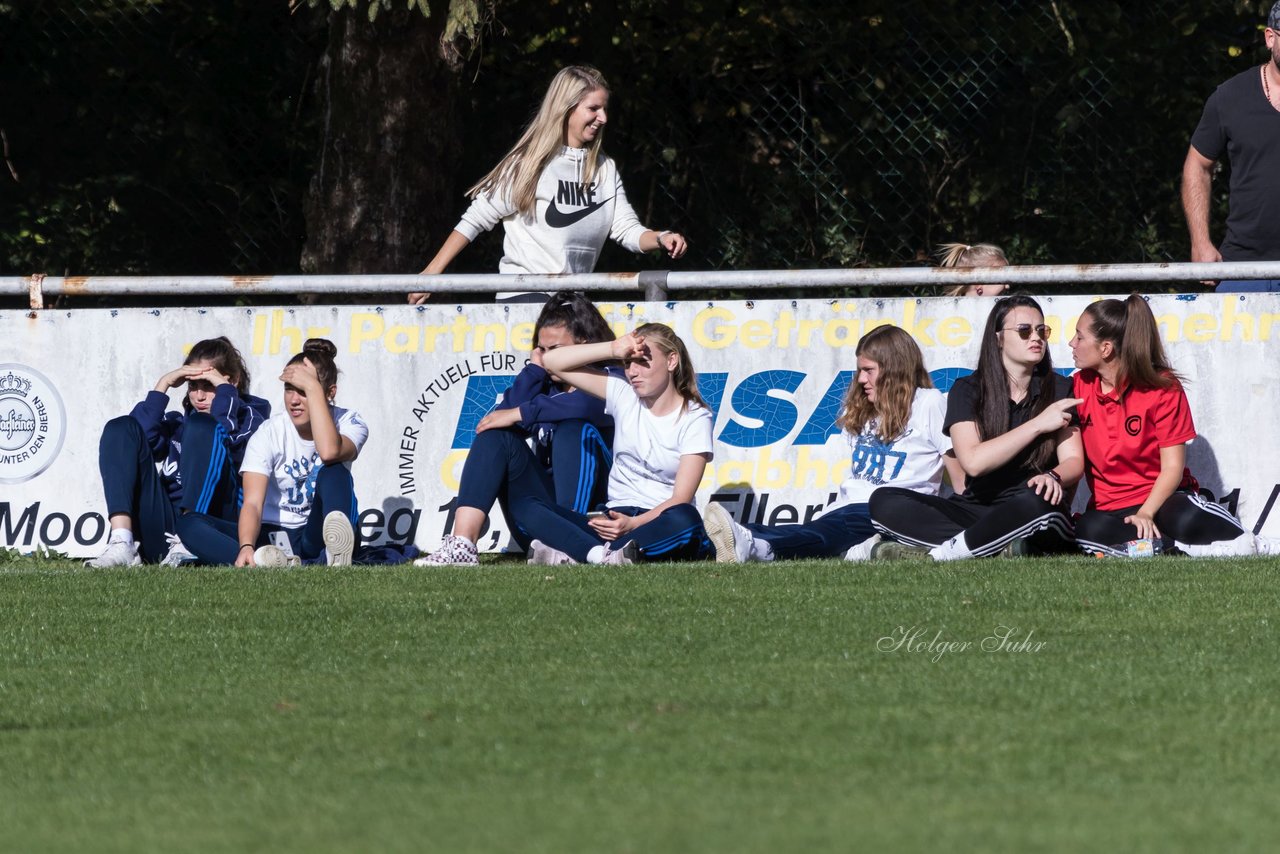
662 442
1136 424
1015 436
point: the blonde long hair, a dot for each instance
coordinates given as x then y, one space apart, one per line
969 255
902 371
517 173
685 378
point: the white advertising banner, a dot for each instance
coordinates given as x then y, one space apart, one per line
773 371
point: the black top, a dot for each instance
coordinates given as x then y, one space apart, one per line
1239 121
961 406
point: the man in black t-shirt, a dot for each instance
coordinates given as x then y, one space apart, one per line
1241 120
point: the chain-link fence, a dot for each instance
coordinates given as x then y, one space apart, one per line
178 136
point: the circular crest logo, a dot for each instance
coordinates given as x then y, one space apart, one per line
33 423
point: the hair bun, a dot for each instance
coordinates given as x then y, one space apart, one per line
320 345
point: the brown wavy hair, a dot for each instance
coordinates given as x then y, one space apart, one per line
902 371
226 360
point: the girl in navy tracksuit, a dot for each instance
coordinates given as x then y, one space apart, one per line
198 451
570 458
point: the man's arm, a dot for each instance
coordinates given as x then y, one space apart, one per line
1197 180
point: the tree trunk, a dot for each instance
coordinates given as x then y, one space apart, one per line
383 194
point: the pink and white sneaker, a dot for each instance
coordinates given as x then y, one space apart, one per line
544 555
453 551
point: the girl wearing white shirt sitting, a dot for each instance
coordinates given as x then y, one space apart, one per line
661 446
299 498
892 419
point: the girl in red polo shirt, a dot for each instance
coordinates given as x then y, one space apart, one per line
1136 425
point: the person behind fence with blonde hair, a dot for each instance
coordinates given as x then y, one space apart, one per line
662 443
972 255
555 192
1136 425
892 419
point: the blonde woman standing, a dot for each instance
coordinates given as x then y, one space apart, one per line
555 192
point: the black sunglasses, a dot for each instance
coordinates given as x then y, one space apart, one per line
1024 330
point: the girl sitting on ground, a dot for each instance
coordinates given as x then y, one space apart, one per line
892 418
299 497
199 451
1136 424
972 255
1014 434
571 434
661 445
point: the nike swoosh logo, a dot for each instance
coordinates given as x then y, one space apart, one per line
557 218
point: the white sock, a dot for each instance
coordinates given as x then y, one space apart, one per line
761 550
120 535
952 549
596 555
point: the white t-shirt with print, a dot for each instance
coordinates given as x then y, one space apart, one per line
291 464
647 448
912 461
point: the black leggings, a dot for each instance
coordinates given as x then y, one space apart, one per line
988 524
1185 517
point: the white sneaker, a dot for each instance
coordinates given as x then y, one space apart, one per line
544 555
453 551
629 553
1242 546
732 541
178 554
339 539
1267 545
270 555
117 554
862 551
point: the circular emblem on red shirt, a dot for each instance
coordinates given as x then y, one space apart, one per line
1133 425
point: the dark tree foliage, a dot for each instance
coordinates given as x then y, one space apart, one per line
160 138
183 136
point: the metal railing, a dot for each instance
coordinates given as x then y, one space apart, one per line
656 285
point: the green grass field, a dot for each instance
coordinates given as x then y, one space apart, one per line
655 708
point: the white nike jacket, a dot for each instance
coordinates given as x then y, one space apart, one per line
569 223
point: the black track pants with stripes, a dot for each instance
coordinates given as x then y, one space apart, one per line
988 524
1184 516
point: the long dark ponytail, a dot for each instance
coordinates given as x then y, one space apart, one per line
1131 327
